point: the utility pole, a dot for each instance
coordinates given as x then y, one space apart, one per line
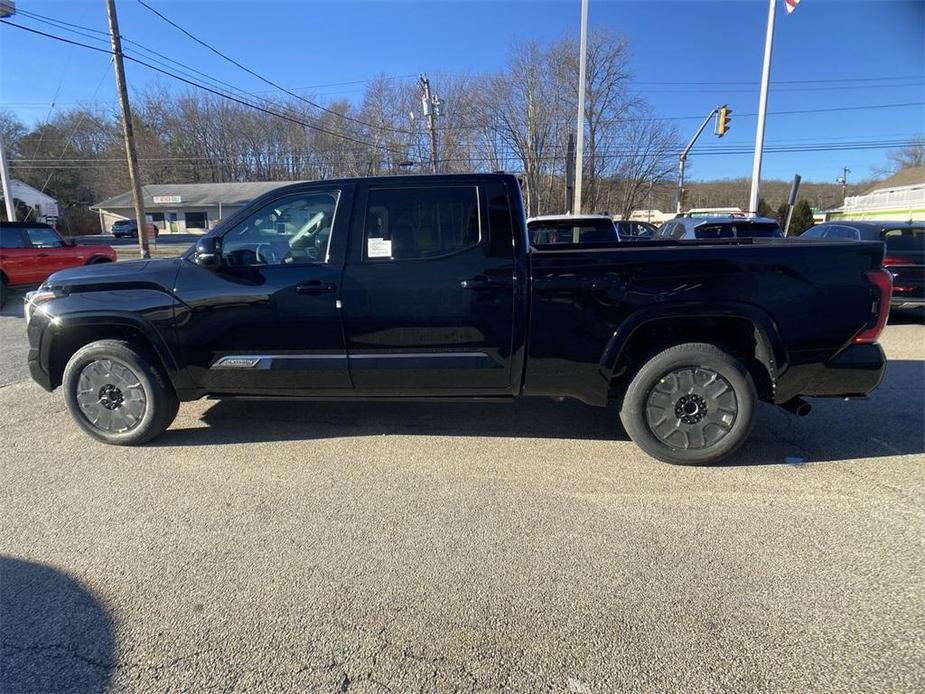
128 131
843 179
762 108
582 79
7 9
431 107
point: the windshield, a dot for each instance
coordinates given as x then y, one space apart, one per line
545 233
905 239
738 229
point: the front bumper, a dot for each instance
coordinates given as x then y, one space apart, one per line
854 372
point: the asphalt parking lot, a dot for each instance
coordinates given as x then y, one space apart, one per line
398 547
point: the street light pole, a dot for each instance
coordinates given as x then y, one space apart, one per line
582 78
128 132
762 108
682 159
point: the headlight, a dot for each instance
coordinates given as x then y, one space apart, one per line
43 294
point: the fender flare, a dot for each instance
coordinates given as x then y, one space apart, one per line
770 348
121 319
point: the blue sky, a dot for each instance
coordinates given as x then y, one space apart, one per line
686 57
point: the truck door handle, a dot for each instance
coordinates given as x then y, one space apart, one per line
482 282
42 255
315 287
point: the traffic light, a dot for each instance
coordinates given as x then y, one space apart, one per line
723 118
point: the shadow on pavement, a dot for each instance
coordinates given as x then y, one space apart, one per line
14 305
55 635
907 317
888 423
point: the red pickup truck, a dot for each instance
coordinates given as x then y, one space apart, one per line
30 252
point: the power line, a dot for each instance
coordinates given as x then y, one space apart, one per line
608 153
188 71
230 97
805 81
261 77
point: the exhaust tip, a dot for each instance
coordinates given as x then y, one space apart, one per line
798 407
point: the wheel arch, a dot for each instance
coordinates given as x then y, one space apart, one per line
746 331
69 333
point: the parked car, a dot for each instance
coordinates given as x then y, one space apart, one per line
686 228
31 251
429 287
905 253
129 229
635 231
572 228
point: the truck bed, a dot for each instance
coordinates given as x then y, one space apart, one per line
807 299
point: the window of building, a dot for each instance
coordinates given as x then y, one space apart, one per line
414 223
197 220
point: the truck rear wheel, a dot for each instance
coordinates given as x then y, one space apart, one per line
692 404
118 395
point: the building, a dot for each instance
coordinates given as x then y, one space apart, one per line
652 216
44 208
900 197
184 207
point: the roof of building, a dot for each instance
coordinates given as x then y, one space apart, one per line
194 194
17 188
910 176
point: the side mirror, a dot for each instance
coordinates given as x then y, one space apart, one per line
208 253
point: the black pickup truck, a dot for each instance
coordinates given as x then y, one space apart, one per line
426 287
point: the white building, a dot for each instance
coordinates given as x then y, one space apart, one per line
44 207
901 197
184 207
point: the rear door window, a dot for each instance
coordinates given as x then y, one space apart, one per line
12 238
418 223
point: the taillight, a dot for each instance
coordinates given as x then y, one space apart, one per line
880 309
893 260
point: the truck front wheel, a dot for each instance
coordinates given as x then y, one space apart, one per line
117 394
692 404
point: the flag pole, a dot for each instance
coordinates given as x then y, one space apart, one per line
580 134
762 108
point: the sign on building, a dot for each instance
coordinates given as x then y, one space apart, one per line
168 199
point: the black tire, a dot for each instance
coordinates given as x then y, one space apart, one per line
692 404
124 360
98 260
3 291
